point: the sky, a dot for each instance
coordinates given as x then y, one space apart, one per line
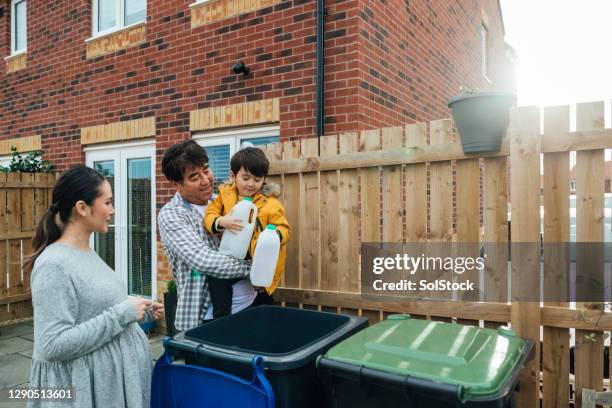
564 49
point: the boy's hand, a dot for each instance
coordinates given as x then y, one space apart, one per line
230 223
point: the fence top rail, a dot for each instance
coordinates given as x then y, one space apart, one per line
550 143
404 155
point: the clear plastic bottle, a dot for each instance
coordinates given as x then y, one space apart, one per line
236 244
265 257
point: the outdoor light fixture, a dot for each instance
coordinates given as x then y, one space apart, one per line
241 68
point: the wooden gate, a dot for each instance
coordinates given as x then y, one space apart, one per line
24 198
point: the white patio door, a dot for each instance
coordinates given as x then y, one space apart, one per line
129 246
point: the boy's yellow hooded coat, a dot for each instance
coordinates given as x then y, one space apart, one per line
269 211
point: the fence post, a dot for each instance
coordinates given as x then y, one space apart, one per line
524 141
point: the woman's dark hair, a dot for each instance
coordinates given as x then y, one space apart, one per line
252 159
180 156
79 183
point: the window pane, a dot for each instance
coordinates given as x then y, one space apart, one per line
21 36
139 227
483 46
107 14
219 162
135 11
104 244
258 141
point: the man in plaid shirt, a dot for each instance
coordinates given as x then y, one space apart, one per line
192 252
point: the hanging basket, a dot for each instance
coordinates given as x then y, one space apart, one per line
481 119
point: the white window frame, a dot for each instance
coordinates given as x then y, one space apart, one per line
214 138
233 137
120 153
120 18
15 51
484 36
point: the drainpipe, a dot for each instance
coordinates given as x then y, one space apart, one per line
320 70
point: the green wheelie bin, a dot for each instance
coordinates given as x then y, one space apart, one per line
405 362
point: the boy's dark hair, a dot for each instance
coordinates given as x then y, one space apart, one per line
252 159
180 156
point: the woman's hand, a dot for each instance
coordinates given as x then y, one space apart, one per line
230 223
157 309
141 305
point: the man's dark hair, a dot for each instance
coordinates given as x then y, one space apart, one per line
177 158
252 159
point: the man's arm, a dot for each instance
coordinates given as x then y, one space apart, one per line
178 235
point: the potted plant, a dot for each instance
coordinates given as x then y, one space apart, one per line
170 299
481 118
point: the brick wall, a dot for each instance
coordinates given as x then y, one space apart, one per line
415 55
387 62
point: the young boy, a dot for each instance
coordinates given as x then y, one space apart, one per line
249 168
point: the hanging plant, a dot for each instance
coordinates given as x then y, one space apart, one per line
32 162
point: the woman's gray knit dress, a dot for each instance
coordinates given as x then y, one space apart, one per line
85 332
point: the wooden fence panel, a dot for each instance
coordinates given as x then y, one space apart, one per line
309 222
329 218
416 187
440 202
555 345
13 209
28 222
291 200
370 189
468 225
349 238
524 135
589 229
24 199
370 202
495 223
392 194
3 247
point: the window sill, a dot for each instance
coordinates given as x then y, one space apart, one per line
113 31
16 61
199 3
116 40
209 11
15 55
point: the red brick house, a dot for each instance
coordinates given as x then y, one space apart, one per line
112 84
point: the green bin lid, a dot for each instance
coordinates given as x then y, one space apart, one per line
479 360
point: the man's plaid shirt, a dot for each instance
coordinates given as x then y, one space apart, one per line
193 255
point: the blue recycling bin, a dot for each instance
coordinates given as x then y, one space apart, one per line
189 386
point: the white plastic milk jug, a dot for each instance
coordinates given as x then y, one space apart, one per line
265 257
236 244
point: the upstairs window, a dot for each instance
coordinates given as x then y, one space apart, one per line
112 15
484 47
19 30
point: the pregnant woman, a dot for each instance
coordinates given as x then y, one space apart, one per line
86 335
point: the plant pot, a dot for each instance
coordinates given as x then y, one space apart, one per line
482 118
170 300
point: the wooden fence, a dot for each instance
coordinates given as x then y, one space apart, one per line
24 198
414 184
